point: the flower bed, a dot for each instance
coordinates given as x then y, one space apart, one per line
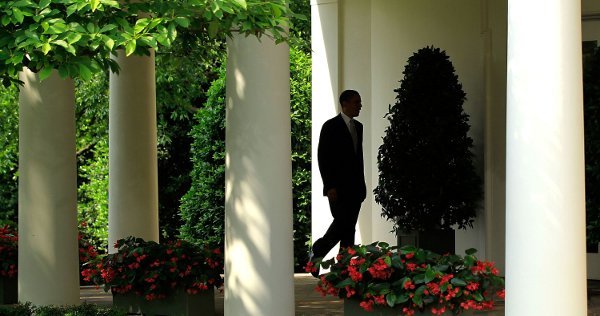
411 279
8 252
155 271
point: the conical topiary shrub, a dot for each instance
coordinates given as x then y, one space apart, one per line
426 175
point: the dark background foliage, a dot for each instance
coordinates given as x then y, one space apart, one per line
591 93
426 174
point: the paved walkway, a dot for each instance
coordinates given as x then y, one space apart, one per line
309 302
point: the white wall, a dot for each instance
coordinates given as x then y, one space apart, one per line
325 75
355 57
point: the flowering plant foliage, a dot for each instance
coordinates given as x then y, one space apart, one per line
155 270
410 279
8 252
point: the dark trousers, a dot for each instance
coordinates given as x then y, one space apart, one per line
345 215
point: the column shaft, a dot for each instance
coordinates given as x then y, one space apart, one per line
48 256
133 170
545 203
258 207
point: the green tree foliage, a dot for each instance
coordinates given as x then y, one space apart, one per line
91 111
300 89
77 37
184 74
9 160
591 92
203 206
426 175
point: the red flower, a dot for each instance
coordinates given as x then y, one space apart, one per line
310 267
409 285
380 270
367 305
501 294
472 286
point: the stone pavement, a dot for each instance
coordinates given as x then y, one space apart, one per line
309 302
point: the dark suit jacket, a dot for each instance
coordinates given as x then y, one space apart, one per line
341 167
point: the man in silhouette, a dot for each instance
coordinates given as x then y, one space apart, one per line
340 156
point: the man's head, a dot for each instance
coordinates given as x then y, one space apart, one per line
351 103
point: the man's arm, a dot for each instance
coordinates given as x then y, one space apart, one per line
326 159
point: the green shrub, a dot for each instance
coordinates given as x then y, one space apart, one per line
80 310
203 207
9 159
427 179
300 89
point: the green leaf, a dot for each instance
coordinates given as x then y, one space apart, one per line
73 38
391 299
344 283
478 297
63 71
46 48
420 290
183 22
388 261
172 31
85 72
18 14
91 27
213 28
56 28
458 282
21 3
471 251
429 275
109 42
163 40
94 4
130 47
402 299
107 27
71 50
419 279
60 43
5 20
45 73
397 262
418 300
44 3
71 9
140 25
242 3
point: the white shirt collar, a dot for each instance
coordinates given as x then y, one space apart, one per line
346 118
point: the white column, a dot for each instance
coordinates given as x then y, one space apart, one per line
133 170
258 196
545 255
48 255
325 91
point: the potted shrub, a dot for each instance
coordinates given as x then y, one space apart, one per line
8 265
427 181
174 278
409 281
